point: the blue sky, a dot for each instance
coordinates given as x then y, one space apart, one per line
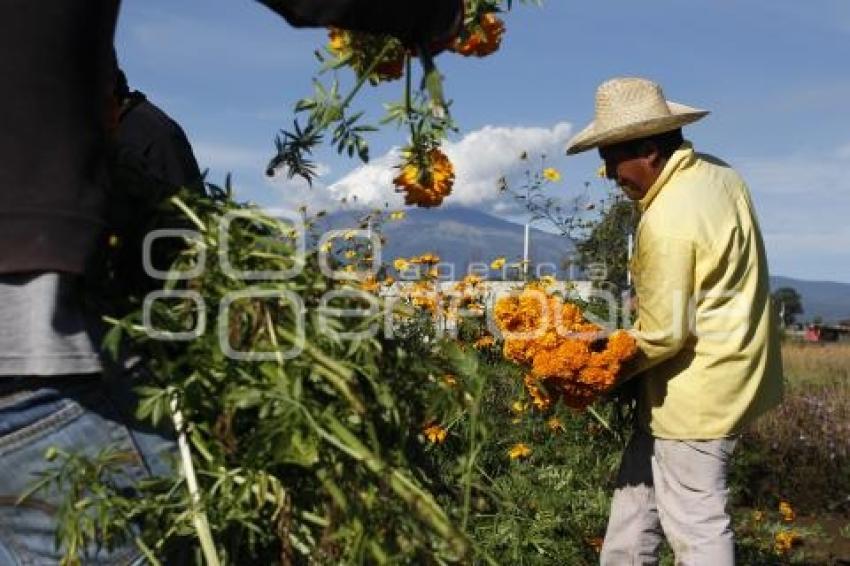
774 74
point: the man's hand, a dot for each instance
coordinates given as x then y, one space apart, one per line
415 22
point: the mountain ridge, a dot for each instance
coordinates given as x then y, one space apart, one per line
462 236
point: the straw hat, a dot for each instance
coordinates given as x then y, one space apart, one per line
629 108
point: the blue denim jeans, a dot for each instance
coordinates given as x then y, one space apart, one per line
79 414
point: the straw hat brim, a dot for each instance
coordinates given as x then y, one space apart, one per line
590 137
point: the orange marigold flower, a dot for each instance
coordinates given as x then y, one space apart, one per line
484 342
786 511
596 543
519 450
517 351
425 187
555 424
435 434
337 40
562 362
426 259
483 39
370 284
551 174
622 345
518 407
599 379
539 398
784 541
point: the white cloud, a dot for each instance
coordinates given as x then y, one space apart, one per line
480 158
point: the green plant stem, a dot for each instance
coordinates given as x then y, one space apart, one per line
199 518
336 373
176 201
602 421
470 463
361 80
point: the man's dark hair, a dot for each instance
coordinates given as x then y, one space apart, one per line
666 142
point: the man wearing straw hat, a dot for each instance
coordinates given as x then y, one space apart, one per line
709 360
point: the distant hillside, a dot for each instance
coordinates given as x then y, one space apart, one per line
461 236
827 299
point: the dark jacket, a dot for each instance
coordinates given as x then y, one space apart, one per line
148 140
56 67
150 159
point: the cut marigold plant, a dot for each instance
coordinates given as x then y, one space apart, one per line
425 178
561 347
358 51
481 39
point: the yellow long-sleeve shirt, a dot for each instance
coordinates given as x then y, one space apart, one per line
709 357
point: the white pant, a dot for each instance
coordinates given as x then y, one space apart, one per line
678 486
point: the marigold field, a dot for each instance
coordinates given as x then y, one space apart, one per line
382 439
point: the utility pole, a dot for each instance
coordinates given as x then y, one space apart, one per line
525 252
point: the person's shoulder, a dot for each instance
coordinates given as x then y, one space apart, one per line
716 170
143 110
144 123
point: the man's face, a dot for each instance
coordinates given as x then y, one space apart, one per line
632 171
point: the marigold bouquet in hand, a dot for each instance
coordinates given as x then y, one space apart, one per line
567 355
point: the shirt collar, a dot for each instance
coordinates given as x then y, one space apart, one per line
680 159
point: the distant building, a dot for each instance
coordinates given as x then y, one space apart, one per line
827 333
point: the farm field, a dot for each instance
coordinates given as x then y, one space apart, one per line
800 454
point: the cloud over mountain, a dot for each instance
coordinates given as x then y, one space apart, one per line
480 158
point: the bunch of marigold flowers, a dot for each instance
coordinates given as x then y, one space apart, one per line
426 175
565 352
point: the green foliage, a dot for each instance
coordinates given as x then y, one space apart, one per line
788 304
601 230
310 457
607 242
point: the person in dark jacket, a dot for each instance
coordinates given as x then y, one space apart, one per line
57 74
149 159
149 140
